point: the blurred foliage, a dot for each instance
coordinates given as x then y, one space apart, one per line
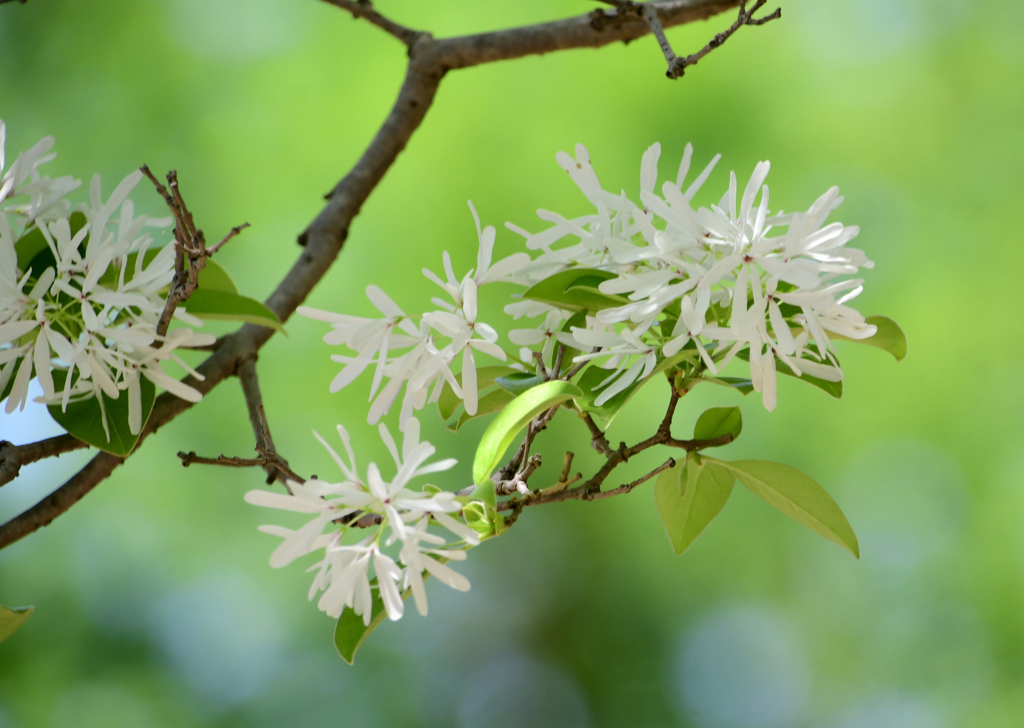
155 605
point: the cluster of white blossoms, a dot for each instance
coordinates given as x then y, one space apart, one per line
429 342
81 292
719 280
417 352
674 287
399 518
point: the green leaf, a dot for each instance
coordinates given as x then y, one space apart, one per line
889 337
833 389
213 277
11 618
798 496
350 633
518 382
448 402
689 496
485 494
84 420
743 386
718 421
576 290
489 403
513 418
589 381
226 306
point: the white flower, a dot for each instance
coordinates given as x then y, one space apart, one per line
343 573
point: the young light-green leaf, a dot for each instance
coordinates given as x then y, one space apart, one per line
226 306
798 496
718 421
11 619
84 419
689 496
889 337
513 418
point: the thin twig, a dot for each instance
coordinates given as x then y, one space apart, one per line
597 439
677 65
364 9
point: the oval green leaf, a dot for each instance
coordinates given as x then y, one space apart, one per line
798 496
689 496
518 382
718 421
11 619
513 418
491 402
226 306
84 420
575 290
889 337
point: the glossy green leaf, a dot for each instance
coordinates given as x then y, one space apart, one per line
518 382
798 496
84 420
718 421
575 290
689 496
833 389
485 494
11 619
227 306
489 403
592 377
448 402
889 337
512 419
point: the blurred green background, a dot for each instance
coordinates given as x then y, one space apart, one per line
155 605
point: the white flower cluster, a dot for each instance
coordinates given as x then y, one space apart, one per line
431 341
87 304
717 280
404 514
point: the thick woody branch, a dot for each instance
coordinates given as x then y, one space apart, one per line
364 9
429 61
13 457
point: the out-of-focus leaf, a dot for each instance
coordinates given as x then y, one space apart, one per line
11 619
518 382
743 386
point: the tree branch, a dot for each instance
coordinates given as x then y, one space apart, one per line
13 457
429 61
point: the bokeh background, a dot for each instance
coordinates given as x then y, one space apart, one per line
155 605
